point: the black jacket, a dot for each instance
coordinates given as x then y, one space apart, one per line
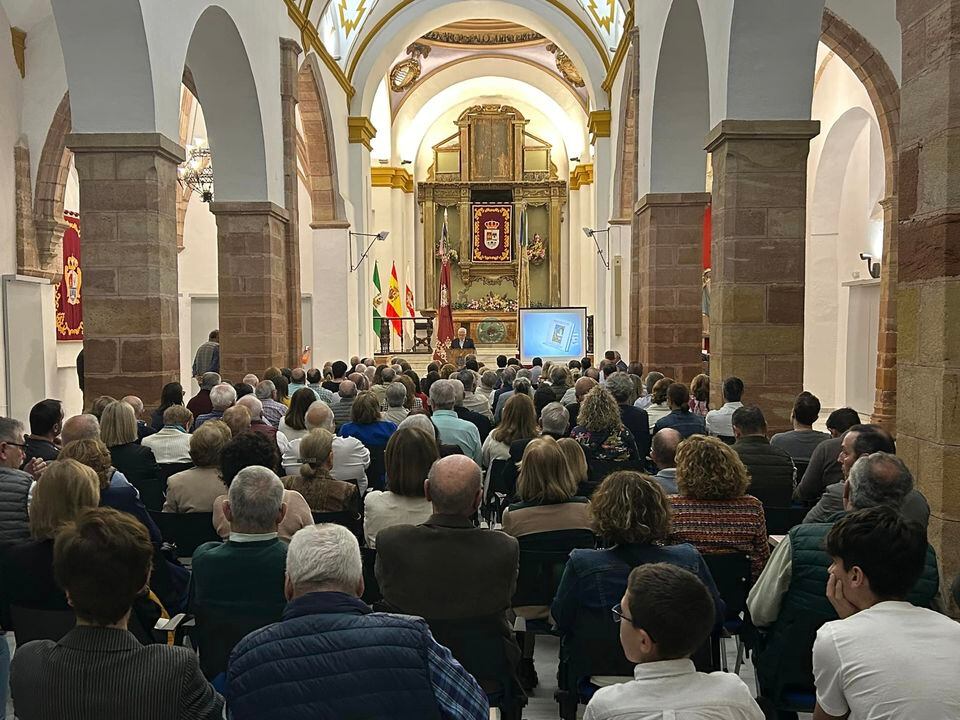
771 471
468 344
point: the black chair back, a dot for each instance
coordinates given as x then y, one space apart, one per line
152 493
731 574
350 520
801 466
32 624
780 520
168 469
377 469
187 531
499 494
597 470
220 628
371 588
543 557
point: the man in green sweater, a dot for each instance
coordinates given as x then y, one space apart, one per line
237 586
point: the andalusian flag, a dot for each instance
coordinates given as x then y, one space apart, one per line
377 300
394 304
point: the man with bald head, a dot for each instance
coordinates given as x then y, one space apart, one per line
350 457
80 427
257 424
143 429
663 452
343 407
446 568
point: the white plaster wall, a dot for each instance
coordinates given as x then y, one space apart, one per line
10 103
43 87
877 21
846 181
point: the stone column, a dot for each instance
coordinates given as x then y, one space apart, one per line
885 404
758 258
253 296
928 277
665 287
128 184
289 84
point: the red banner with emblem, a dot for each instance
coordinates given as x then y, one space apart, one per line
492 239
70 291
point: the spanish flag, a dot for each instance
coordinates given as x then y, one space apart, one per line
394 304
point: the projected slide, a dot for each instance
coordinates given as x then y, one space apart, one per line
552 333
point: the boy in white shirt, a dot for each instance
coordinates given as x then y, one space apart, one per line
665 616
885 659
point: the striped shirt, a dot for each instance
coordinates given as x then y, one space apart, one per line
722 526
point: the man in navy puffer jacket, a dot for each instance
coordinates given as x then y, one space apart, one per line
332 658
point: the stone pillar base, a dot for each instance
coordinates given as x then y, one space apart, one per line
253 328
128 183
758 258
666 333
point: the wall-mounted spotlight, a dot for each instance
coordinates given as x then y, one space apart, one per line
575 159
378 237
872 267
406 162
591 233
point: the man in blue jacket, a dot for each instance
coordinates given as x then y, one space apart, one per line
340 659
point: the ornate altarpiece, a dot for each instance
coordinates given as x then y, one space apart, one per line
492 158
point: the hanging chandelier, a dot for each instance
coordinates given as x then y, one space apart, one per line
196 172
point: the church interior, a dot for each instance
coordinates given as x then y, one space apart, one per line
748 188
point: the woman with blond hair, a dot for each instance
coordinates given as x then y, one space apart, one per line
548 493
64 490
576 462
195 490
631 516
322 492
519 422
121 495
118 431
712 511
606 442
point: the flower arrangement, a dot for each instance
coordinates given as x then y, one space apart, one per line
491 302
452 253
537 250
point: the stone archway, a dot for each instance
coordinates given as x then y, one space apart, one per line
884 92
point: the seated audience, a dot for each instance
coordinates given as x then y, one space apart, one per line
409 456
631 516
555 423
646 399
243 389
257 423
472 400
46 419
488 383
65 489
859 441
172 394
519 422
447 569
481 422
118 495
772 472
14 484
250 379
800 442
659 407
293 424
790 589
575 395
634 419
547 494
554 391
395 397
314 378
824 468
273 411
858 660
338 373
680 418
507 376
663 452
326 631
80 427
413 402
200 403
143 430
343 407
366 423
321 491
453 430
99 669
237 418
100 404
283 393
713 511
195 490
118 431
171 444
720 421
243 577
575 460
222 396
665 616
244 451
350 457
700 395
606 441
298 381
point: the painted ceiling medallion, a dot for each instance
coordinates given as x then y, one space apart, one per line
566 67
406 72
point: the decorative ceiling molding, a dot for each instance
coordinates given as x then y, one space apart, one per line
599 124
398 178
360 130
311 41
483 33
602 11
582 175
566 67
